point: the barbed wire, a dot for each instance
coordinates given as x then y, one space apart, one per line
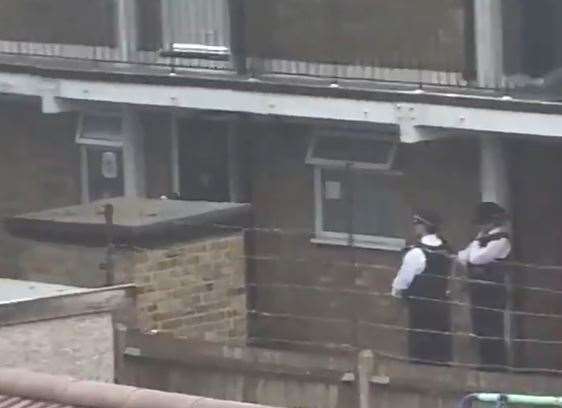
405 329
402 358
429 300
282 246
391 269
309 234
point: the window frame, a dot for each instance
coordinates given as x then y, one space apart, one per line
324 237
335 163
85 141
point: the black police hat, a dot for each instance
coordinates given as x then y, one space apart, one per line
489 212
427 217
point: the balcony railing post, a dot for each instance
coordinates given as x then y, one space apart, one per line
508 319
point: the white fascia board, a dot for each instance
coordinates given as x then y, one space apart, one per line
231 101
20 84
488 120
418 116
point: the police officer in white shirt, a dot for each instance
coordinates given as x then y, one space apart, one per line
422 280
486 285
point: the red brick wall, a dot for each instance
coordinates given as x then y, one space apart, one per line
309 293
39 167
194 290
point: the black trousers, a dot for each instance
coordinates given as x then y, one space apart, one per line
487 290
430 323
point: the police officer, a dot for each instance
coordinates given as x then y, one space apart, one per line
486 282
422 281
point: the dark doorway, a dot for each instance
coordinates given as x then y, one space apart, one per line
203 160
105 173
537 201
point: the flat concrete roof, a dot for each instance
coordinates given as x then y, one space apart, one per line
25 301
135 220
133 212
13 291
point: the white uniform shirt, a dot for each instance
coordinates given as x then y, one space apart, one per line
495 250
413 264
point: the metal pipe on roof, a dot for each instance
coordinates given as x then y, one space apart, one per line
518 399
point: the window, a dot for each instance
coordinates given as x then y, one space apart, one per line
101 141
100 130
357 192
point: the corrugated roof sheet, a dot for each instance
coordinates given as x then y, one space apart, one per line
24 389
16 402
7 401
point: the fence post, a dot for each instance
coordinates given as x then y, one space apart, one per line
108 213
365 366
508 320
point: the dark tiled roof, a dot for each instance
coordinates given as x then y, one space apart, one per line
23 389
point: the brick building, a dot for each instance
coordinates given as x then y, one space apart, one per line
329 119
190 279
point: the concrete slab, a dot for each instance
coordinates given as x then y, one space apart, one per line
136 221
134 212
13 291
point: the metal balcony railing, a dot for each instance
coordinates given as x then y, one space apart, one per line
234 36
128 31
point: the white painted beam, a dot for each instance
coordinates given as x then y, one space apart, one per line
494 177
133 154
489 120
410 131
488 26
420 118
231 101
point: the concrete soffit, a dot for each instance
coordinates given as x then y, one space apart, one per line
417 121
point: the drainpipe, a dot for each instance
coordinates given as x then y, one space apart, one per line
494 184
516 399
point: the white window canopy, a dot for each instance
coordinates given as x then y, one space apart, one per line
360 150
199 51
100 130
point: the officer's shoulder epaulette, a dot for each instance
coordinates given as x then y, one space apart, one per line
441 249
485 240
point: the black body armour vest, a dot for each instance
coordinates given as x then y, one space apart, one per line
492 271
432 282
